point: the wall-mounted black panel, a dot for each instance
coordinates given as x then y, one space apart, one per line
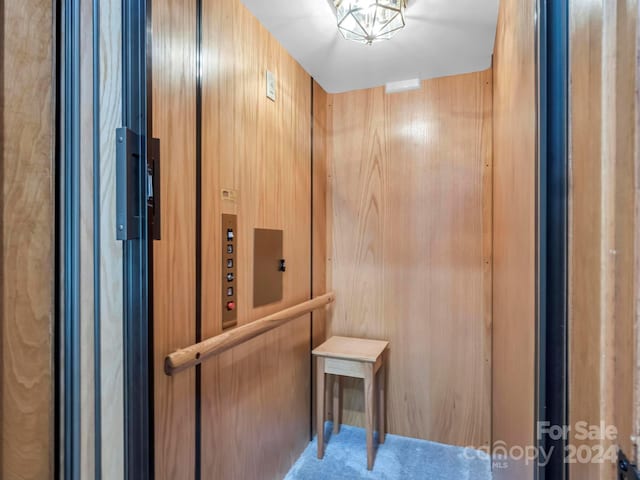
229 270
268 266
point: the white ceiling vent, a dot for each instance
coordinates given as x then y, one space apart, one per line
403 86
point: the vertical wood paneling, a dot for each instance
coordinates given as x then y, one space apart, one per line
26 219
603 224
321 218
411 250
514 233
111 280
626 225
174 102
86 291
636 397
256 395
321 233
584 259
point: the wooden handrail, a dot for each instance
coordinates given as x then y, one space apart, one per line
196 354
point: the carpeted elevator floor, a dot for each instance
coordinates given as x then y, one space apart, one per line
399 458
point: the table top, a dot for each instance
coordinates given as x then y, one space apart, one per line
352 349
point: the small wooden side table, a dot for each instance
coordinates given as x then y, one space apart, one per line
358 358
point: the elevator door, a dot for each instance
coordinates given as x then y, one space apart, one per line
228 152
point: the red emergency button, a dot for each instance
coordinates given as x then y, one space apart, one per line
231 306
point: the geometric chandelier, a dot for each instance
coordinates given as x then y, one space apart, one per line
368 21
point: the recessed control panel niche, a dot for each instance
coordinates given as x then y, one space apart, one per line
268 266
229 269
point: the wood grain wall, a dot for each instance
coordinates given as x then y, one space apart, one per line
111 273
27 223
586 117
514 233
411 254
255 398
321 219
321 241
636 398
86 290
174 116
603 223
256 395
101 449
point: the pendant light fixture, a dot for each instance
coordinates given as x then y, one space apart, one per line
368 21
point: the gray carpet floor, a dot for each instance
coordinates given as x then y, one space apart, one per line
399 458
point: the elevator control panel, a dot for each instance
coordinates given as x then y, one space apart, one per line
229 266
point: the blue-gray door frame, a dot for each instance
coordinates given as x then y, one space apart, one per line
138 405
68 170
553 174
138 331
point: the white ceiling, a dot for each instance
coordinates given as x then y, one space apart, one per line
442 37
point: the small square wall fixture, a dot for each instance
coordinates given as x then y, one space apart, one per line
369 21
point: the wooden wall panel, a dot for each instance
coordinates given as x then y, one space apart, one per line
602 289
411 249
100 186
514 232
86 286
321 219
26 241
636 398
174 102
626 226
111 274
584 259
255 398
321 240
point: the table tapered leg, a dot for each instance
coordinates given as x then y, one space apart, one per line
329 380
381 403
337 407
320 405
369 409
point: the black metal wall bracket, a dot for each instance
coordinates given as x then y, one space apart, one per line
627 470
153 188
128 156
129 165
